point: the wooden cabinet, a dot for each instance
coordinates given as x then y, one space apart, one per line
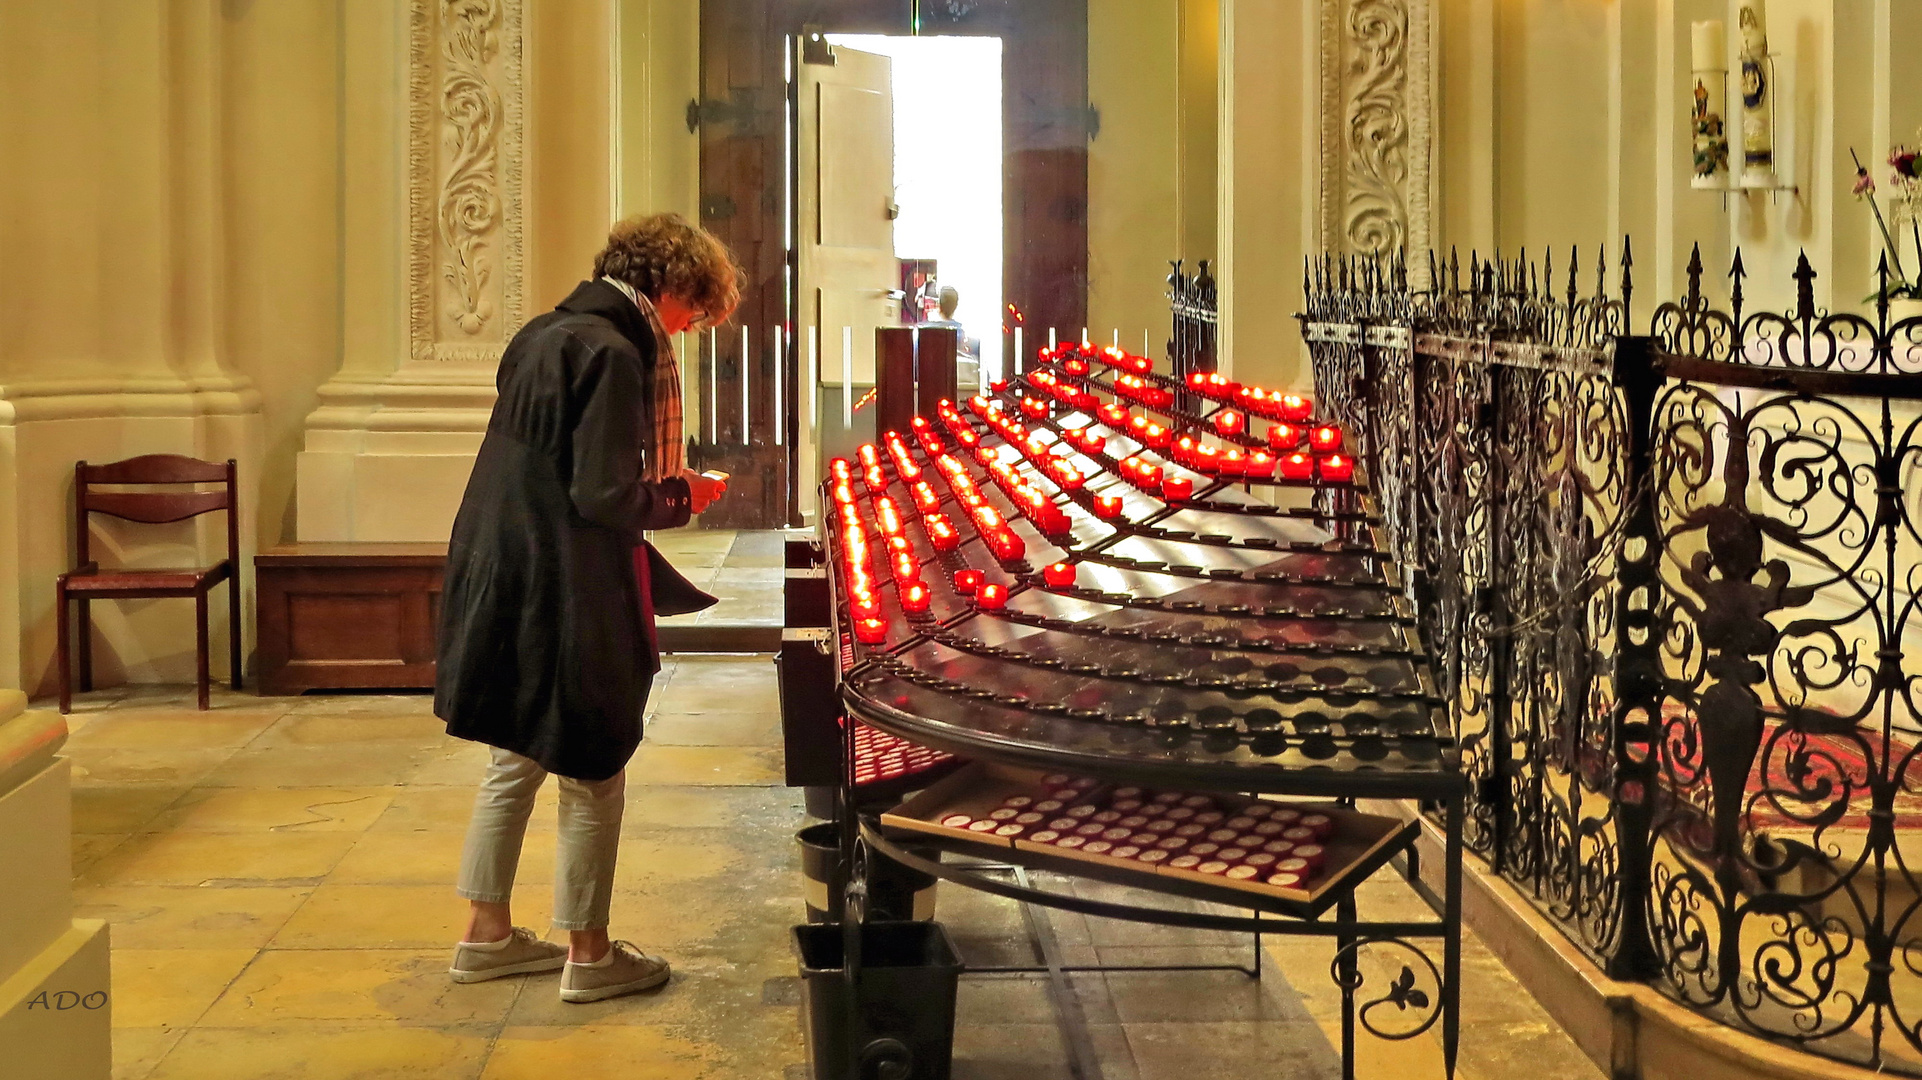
348 615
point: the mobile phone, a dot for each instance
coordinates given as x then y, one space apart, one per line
716 475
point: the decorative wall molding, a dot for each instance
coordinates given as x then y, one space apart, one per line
1376 125
465 158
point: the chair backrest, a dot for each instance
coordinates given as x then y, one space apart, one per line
155 507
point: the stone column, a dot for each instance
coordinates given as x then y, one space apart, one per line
435 265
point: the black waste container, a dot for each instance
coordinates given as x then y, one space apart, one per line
894 891
902 1006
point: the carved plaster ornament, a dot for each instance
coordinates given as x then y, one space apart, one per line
464 164
1758 96
1375 125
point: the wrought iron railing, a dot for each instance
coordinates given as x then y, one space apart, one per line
1670 582
1191 307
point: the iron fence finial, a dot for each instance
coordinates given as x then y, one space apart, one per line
1804 288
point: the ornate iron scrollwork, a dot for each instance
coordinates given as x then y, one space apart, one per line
1671 587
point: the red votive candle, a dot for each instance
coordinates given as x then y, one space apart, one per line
967 581
1155 436
1108 507
1325 439
1297 408
1112 414
1177 489
1230 422
1059 575
991 597
870 631
1284 436
1260 464
1207 459
1336 469
1297 467
1149 476
915 599
1234 463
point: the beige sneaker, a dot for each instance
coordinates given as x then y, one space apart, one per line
519 953
624 970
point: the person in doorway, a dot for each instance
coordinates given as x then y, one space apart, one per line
547 646
967 350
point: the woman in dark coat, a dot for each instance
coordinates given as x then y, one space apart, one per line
547 618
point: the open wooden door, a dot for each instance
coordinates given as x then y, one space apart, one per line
847 280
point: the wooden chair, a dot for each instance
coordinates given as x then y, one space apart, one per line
88 582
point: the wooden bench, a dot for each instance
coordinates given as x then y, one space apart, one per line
347 616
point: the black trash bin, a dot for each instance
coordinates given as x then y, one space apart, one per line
902 1008
894 891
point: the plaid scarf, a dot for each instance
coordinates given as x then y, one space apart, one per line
666 452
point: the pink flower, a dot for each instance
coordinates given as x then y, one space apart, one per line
1864 183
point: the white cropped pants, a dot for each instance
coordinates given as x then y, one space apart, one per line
589 840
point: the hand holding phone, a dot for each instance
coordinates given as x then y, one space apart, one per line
704 487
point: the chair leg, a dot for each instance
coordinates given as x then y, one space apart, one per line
85 627
233 628
200 646
60 648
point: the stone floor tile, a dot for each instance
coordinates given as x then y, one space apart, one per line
351 728
159 766
645 1052
120 808
734 573
188 917
170 987
288 810
409 705
86 704
992 999
351 765
714 729
341 916
1202 1051
448 809
90 848
313 1052
705 990
457 763
1198 996
221 858
128 728
702 765
1036 1050
137 1050
771 808
288 986
433 858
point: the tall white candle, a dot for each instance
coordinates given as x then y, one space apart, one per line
1709 41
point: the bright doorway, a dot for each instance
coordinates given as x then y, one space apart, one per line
927 110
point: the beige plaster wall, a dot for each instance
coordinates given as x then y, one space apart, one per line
1563 121
114 298
282 221
1134 166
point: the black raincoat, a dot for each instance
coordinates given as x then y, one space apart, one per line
545 644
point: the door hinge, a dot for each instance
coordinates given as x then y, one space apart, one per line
739 110
815 47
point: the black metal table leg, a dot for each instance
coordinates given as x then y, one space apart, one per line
1346 967
1452 944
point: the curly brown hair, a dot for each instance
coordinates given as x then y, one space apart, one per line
664 253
